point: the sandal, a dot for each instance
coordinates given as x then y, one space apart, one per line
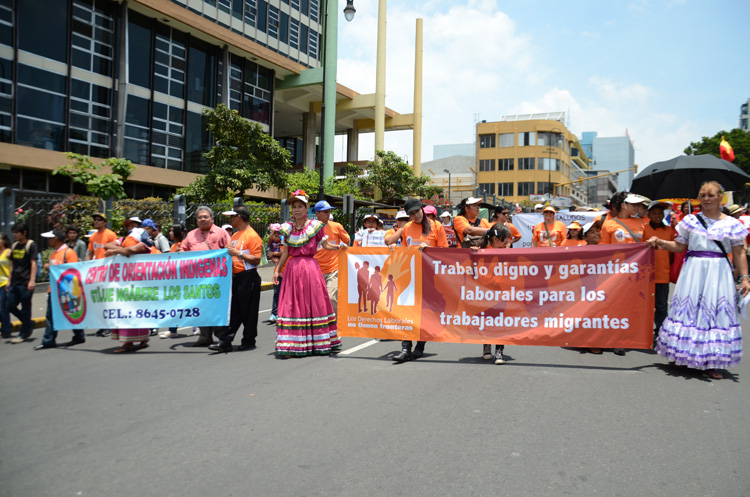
714 374
595 351
125 348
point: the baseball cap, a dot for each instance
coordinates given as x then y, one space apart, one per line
444 214
402 215
135 219
665 205
473 200
371 215
587 227
636 199
322 206
227 227
549 208
538 206
240 210
430 209
412 205
99 214
59 234
148 223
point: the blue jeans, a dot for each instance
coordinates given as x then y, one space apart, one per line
20 295
50 334
4 315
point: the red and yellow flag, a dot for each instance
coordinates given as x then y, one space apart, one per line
725 149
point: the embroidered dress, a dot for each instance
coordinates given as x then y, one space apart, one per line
703 330
305 323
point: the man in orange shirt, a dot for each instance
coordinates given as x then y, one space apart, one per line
625 228
62 255
102 237
549 233
246 248
328 260
662 260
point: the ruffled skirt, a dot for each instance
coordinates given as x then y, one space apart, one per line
702 330
305 323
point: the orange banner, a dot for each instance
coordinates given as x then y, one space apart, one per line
599 296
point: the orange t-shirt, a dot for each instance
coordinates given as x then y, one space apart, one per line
412 235
557 234
98 240
328 260
514 233
248 242
614 232
572 242
175 246
661 257
460 223
63 255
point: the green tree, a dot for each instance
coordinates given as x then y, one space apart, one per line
244 156
104 186
309 181
396 179
738 139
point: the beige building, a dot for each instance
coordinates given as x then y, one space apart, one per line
523 157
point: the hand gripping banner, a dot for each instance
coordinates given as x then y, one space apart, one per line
143 291
599 296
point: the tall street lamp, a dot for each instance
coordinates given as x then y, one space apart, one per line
449 185
328 116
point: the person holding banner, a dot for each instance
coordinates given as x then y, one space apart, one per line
99 240
207 236
502 216
306 323
422 232
625 228
469 227
401 219
702 330
575 236
62 255
662 261
548 233
246 248
369 235
176 234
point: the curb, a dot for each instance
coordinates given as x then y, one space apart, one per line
42 322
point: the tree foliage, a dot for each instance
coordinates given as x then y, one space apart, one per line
104 186
738 139
396 179
244 156
309 180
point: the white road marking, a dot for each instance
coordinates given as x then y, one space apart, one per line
358 347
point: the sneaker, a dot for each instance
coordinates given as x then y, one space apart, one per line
153 332
196 330
499 359
167 334
103 333
487 352
18 340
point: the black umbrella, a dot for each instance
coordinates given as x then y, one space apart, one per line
682 177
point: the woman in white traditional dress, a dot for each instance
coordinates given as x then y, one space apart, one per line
703 330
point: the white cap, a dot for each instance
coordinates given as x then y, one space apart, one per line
371 214
538 206
636 199
402 215
587 227
228 213
136 219
227 227
473 200
657 203
48 234
445 214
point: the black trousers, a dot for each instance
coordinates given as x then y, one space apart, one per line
245 307
661 305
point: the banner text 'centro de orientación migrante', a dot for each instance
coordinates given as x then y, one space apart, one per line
598 296
143 291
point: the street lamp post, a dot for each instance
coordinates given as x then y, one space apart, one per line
449 185
329 90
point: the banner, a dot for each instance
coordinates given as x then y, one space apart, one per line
599 296
526 222
143 291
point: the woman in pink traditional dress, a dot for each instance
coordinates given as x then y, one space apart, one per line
306 323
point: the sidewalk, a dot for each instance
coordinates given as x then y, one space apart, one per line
39 300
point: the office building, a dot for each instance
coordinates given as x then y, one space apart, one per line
744 116
614 153
522 157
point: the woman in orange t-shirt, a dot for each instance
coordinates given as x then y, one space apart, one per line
423 232
548 233
575 236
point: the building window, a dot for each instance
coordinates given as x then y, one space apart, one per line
527 139
251 12
486 188
170 62
6 100
505 140
313 45
196 143
294 34
40 108
43 28
201 81
525 163
273 21
6 24
487 141
139 42
543 188
93 37
525 188
284 28
505 189
550 139
262 15
304 38
505 164
90 119
487 165
250 90
547 164
166 135
136 130
314 10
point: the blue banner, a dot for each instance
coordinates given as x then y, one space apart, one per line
143 291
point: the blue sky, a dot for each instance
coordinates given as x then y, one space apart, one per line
670 71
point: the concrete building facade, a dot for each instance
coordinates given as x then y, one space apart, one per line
460 183
745 116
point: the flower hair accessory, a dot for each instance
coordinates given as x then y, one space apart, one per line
275 227
299 192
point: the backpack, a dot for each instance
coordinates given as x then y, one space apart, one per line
471 240
38 256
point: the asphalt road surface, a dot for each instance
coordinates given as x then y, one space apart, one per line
172 420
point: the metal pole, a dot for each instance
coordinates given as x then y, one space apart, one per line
7 211
178 211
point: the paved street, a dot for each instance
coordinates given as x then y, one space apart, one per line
174 420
